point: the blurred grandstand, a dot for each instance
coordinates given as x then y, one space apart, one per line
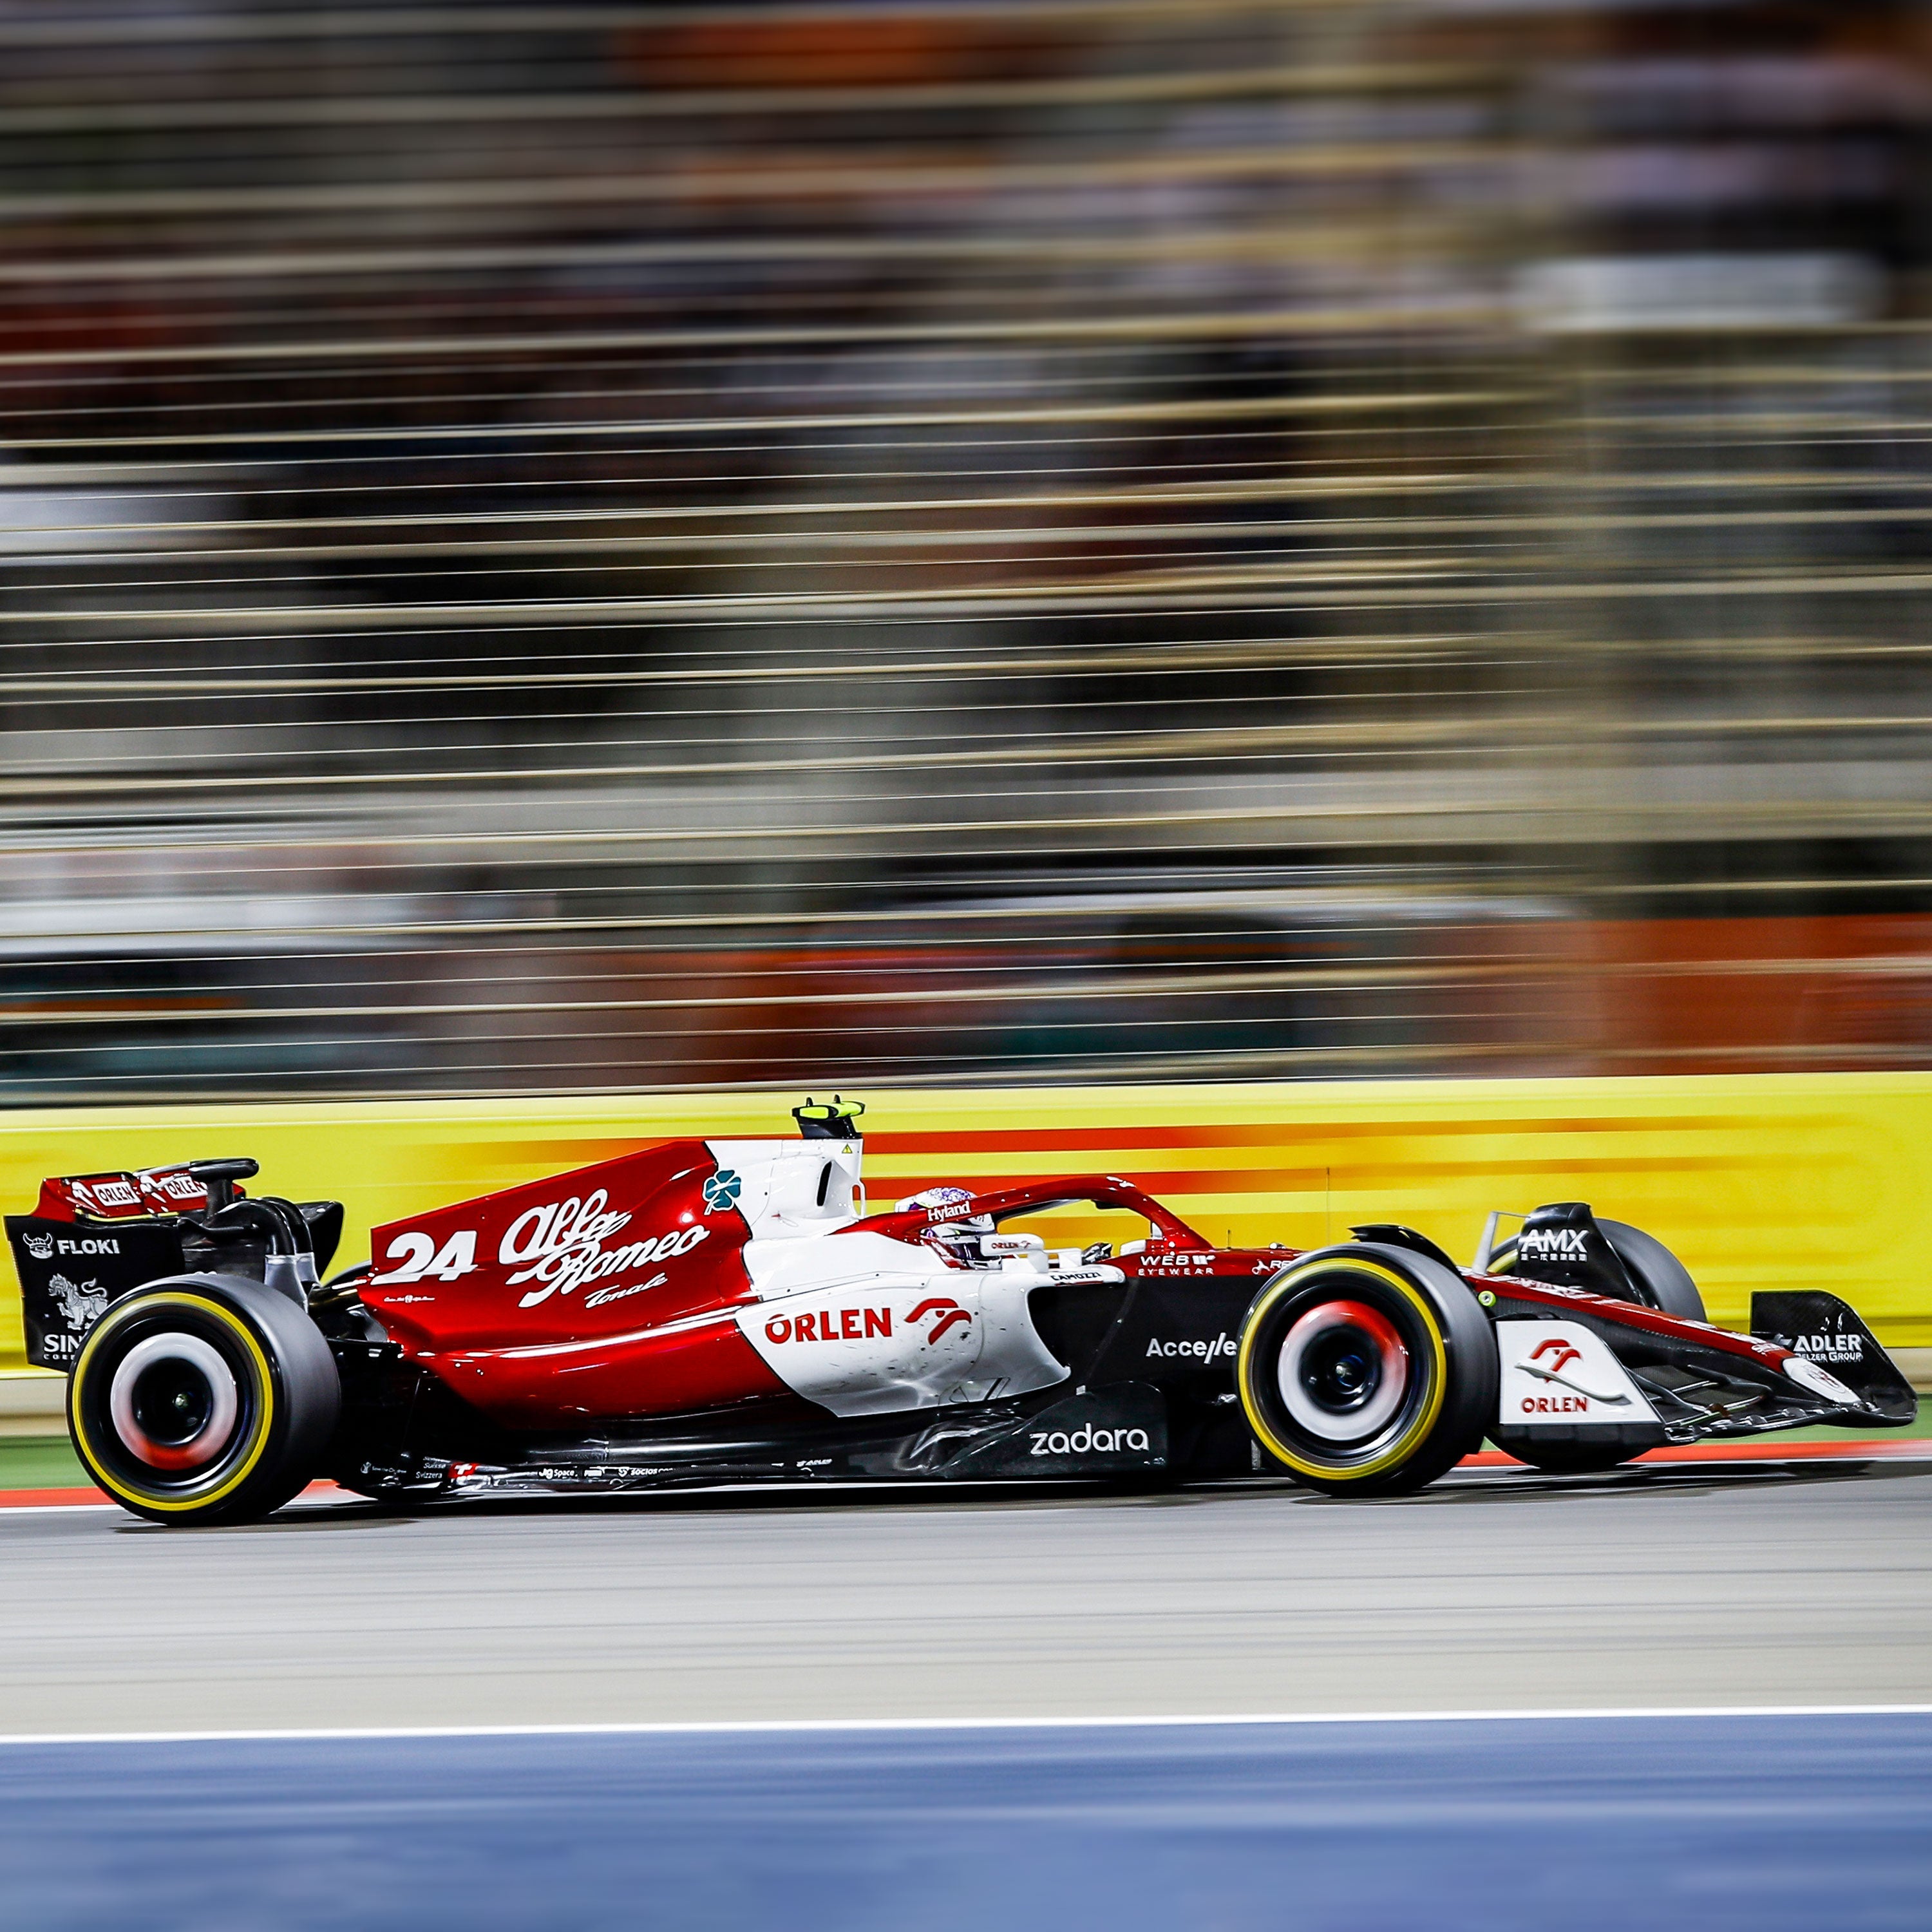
586 546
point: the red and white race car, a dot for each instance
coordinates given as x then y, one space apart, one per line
702 1312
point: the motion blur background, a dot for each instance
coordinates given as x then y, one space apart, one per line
579 547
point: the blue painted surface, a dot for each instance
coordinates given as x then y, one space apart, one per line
1819 1822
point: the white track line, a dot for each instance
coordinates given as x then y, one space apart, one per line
766 1726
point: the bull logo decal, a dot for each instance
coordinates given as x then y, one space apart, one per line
950 1314
81 1302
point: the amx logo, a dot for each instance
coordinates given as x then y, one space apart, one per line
1553 1244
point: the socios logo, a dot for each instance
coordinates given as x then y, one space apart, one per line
721 1191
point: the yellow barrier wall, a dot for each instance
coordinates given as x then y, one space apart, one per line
1769 1181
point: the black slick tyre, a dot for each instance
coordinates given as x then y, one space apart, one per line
1658 1276
1366 1370
206 1398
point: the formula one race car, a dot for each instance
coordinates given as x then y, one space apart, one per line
725 1311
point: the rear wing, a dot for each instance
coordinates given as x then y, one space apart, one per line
93 1238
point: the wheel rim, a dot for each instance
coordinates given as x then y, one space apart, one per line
1344 1371
174 1402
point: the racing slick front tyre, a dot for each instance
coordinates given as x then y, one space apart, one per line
1366 1370
1658 1276
207 1399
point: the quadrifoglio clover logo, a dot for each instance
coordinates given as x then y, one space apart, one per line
721 1191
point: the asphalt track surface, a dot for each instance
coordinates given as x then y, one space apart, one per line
1496 1590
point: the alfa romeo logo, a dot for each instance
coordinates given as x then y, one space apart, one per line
720 1191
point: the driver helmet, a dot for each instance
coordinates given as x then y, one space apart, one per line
957 1237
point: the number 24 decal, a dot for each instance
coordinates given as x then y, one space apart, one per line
417 1257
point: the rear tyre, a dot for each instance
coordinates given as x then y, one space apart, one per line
1658 1276
210 1399
1366 1370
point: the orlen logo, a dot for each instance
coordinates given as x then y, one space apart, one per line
106 1194
839 1324
1560 1354
1553 1244
174 1185
859 1324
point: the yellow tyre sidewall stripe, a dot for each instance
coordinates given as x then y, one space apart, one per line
264 1407
1412 1438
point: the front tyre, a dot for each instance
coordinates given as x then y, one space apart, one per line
1366 1370
1658 1276
209 1398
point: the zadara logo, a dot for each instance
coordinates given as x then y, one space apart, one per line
1088 1441
863 1325
1553 1244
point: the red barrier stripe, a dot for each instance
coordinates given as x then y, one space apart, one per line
319 1492
1861 1449
953 1140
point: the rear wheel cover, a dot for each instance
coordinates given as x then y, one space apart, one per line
1342 1369
173 1402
